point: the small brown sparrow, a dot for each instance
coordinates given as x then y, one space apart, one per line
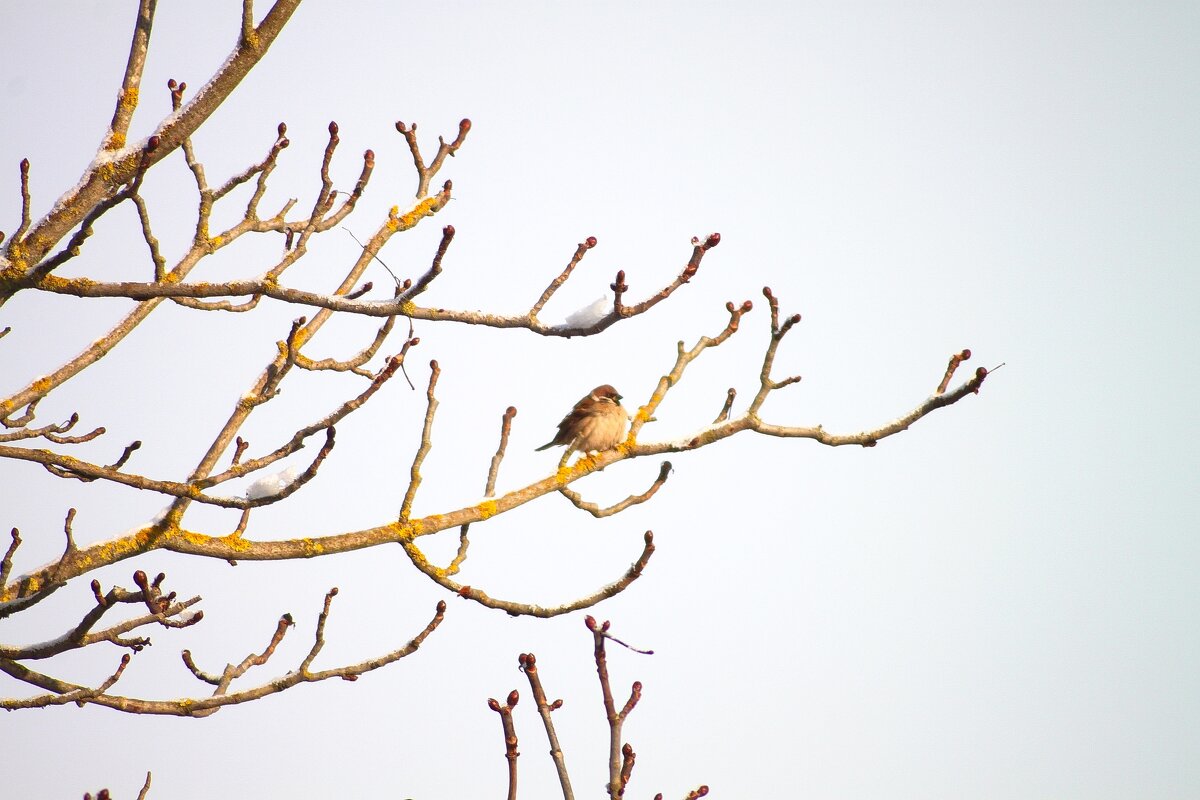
597 422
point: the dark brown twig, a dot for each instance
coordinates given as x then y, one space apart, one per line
510 737
26 202
6 564
618 767
434 270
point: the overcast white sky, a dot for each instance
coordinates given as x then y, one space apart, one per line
998 603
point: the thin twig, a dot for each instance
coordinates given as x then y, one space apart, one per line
489 488
557 283
466 592
528 665
423 450
510 737
596 511
955 360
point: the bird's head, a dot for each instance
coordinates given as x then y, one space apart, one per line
606 393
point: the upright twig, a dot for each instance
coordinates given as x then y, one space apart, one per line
620 758
528 664
414 481
489 488
127 100
510 737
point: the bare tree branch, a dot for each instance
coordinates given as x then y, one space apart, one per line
64 692
510 738
102 177
528 663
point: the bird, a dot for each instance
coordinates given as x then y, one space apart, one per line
596 423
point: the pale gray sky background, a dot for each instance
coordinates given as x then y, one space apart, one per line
999 603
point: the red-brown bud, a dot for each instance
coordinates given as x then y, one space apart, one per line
282 129
369 156
413 342
637 687
702 791
433 364
400 126
139 578
465 591
649 537
441 607
767 292
590 622
492 704
556 705
605 626
712 241
965 354
25 167
284 142
171 84
590 242
333 128
510 412
981 373
729 306
448 185
182 86
513 697
747 307
448 231
333 592
463 127
795 318
152 143
627 750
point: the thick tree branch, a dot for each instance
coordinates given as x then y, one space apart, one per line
110 171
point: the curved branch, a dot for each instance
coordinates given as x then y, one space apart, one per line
515 609
596 511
